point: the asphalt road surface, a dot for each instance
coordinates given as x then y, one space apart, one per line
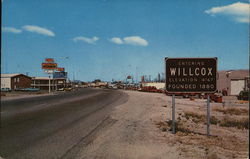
55 126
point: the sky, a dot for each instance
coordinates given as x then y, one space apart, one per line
110 39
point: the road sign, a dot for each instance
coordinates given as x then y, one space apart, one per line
60 75
191 74
48 66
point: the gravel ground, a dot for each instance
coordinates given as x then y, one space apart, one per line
141 131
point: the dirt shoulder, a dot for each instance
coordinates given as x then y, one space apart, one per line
6 96
141 131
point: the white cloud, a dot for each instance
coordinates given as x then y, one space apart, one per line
11 30
85 39
38 30
116 40
238 11
130 40
135 40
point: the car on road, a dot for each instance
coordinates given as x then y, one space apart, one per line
68 89
5 89
61 89
31 89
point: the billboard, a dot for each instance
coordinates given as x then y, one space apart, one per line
49 60
48 66
60 75
142 79
49 71
60 69
191 74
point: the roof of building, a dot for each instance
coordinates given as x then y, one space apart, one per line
47 78
11 75
41 78
234 74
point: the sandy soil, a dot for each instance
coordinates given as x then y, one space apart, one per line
141 131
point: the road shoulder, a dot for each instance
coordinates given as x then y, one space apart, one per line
134 135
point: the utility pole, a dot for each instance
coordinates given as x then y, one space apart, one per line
49 83
136 74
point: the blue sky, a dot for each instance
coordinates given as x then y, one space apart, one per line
108 39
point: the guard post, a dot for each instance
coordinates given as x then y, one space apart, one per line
173 114
208 115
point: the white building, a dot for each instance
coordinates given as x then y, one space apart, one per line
43 83
233 81
15 81
158 85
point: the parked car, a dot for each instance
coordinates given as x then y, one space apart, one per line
5 89
19 89
31 89
68 89
28 89
216 97
61 89
243 95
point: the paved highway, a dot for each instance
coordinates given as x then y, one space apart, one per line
55 126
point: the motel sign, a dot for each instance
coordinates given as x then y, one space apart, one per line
191 74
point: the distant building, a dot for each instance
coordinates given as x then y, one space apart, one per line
101 84
15 81
84 84
233 81
43 83
157 85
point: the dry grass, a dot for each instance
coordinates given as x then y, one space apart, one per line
195 117
233 111
214 120
212 156
242 123
200 118
3 94
163 126
167 126
238 123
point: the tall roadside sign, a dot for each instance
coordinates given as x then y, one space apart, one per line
191 75
49 66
